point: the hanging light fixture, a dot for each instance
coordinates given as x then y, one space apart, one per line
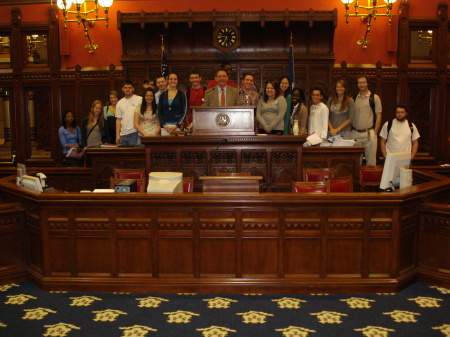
426 38
86 13
370 12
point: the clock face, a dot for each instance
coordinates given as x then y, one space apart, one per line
226 37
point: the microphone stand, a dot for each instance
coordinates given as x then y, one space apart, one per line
224 140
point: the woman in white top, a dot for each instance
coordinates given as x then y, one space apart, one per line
271 110
146 116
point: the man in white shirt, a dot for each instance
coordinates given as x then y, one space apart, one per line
318 114
126 134
399 135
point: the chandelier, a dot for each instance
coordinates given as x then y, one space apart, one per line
369 13
33 42
86 13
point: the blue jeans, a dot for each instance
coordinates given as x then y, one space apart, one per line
129 139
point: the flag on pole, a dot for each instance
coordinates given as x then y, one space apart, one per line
291 66
164 67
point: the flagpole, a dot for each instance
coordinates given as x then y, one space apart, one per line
164 67
291 64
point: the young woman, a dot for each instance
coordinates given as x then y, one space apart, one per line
94 130
285 84
342 111
146 117
110 115
70 136
299 111
172 107
271 110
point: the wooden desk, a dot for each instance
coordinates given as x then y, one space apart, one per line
194 242
278 159
231 184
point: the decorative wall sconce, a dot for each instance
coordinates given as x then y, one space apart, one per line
426 38
370 13
86 16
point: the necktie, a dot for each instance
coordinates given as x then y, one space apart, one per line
222 98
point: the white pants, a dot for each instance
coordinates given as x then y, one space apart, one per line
370 144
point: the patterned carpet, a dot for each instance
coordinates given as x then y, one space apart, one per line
418 311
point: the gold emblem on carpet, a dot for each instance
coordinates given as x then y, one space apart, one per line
445 329
288 303
83 301
401 316
254 317
219 302
19 299
426 302
358 303
136 331
295 331
180 316
371 331
108 315
216 331
59 330
329 317
150 302
37 313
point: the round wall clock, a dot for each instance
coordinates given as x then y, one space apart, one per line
226 36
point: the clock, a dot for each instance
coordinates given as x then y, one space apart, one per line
226 37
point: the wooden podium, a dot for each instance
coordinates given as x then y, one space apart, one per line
223 120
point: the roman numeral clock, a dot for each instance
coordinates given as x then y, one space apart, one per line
226 37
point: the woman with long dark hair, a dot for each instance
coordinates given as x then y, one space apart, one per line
172 107
146 116
94 130
285 85
342 111
271 110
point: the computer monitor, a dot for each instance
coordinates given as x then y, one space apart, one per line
21 171
33 183
165 182
391 171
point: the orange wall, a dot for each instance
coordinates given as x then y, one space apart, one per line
345 47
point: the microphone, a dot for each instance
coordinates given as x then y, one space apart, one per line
222 141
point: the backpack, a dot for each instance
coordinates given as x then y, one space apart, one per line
372 106
389 126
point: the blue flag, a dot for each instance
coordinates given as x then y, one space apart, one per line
164 67
291 67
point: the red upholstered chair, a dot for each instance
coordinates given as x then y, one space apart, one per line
341 184
129 174
316 174
188 184
136 174
370 177
309 186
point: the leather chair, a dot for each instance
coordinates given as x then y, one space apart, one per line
340 184
370 177
316 174
309 186
188 184
135 174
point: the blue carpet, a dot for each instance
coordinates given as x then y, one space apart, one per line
418 311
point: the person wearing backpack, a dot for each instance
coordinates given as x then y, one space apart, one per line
367 120
399 134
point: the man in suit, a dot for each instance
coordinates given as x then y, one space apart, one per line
222 94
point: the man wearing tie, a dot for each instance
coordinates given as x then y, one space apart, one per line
222 94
